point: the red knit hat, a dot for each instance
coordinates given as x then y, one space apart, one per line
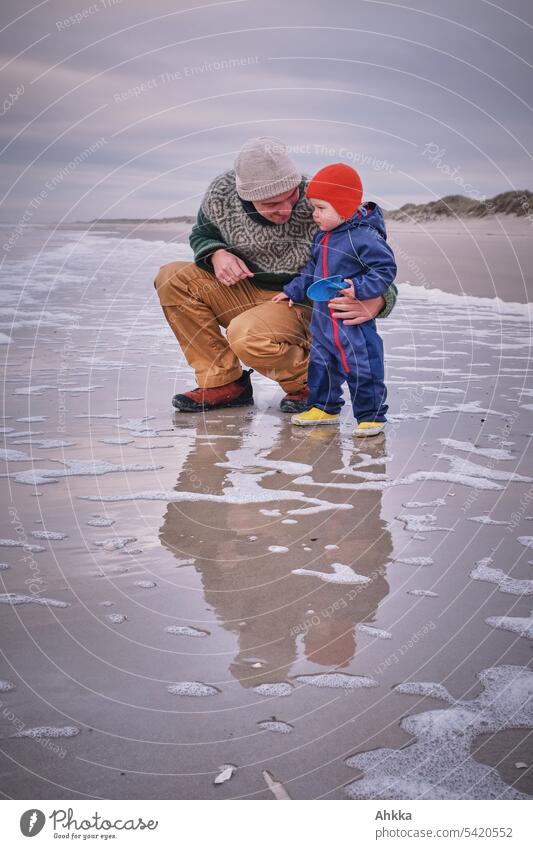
340 186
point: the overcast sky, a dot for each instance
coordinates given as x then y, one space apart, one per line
148 101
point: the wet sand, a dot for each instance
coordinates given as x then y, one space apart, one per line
486 257
294 553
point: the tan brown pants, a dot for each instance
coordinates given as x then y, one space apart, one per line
273 339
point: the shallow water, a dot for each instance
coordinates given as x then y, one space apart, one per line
298 558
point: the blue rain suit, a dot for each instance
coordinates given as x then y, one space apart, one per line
358 250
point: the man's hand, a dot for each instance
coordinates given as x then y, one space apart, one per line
281 296
352 311
228 268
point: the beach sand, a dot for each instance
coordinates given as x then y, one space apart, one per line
301 560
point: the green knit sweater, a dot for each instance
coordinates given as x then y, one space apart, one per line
275 253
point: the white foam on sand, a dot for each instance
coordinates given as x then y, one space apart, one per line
439 764
437 502
49 731
275 689
414 561
6 686
26 434
420 524
486 520
243 489
81 388
13 456
366 476
154 447
422 593
276 726
138 427
45 444
18 598
506 584
374 632
185 631
192 688
363 461
114 543
53 535
244 458
342 574
338 680
100 522
97 416
278 549
466 467
521 625
424 688
492 453
436 410
440 389
436 367
472 407
33 390
470 481
72 468
307 480
527 541
145 585
18 543
462 472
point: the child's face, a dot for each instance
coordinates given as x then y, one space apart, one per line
325 215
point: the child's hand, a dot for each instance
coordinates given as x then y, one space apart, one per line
281 296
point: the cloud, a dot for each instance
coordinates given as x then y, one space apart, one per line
175 92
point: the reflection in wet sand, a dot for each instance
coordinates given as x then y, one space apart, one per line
276 615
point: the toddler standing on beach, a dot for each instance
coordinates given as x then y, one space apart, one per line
351 243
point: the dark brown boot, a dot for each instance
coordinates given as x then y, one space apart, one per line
239 393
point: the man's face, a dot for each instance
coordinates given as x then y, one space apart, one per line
278 209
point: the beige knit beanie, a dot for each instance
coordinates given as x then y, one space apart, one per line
263 169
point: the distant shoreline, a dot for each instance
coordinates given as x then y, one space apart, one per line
518 203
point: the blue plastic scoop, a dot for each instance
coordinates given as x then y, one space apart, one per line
326 288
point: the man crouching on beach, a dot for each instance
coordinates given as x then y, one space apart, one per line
252 236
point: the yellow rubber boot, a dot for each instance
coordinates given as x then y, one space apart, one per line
369 429
314 416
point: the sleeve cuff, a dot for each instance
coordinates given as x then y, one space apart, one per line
390 296
203 256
